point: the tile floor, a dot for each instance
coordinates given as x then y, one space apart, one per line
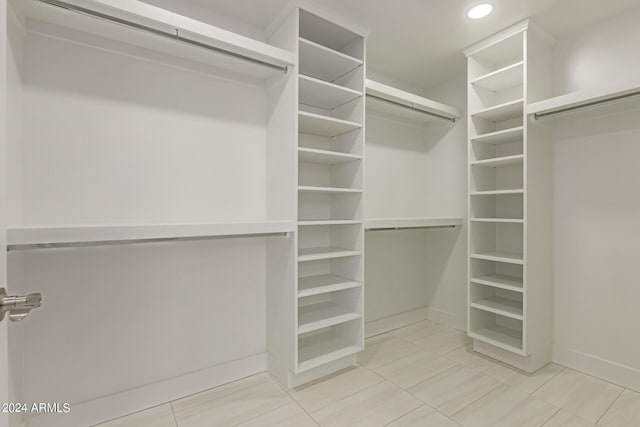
422 375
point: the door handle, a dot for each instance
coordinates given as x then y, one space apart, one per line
18 307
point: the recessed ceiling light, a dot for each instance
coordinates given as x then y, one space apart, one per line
479 11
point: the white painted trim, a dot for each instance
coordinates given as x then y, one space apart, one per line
446 318
497 37
134 400
380 326
608 370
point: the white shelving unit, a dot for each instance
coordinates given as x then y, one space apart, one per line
509 199
318 326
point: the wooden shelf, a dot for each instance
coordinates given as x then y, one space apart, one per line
505 136
504 78
324 63
501 337
329 190
313 254
399 103
312 155
324 284
500 161
321 94
167 23
499 113
507 257
496 192
400 223
502 306
319 316
591 97
329 222
317 124
499 281
22 236
324 347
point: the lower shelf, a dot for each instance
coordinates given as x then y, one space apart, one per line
312 254
508 257
501 306
501 337
499 281
323 284
318 316
324 347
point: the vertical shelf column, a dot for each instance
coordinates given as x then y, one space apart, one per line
508 274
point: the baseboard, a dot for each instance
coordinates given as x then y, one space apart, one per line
613 372
127 402
289 380
380 326
446 318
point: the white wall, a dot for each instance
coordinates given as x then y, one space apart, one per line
597 206
114 138
413 172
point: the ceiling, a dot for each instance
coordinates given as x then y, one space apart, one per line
419 42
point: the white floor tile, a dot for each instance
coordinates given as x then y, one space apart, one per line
231 403
564 418
506 406
624 412
414 368
453 389
160 416
526 382
444 342
418 331
376 406
326 391
467 357
424 416
585 396
385 349
291 415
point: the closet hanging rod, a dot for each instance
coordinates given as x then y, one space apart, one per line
418 227
538 116
173 36
20 247
412 108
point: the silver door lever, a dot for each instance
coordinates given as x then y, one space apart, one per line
18 307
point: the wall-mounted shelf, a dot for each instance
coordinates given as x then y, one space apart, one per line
57 236
329 222
410 223
318 316
320 94
500 137
140 24
508 257
312 155
610 94
399 103
500 161
317 124
502 112
499 281
504 78
328 190
324 284
496 192
502 306
324 63
314 254
499 220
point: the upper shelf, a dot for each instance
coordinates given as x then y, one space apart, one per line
507 111
324 63
59 236
504 78
140 24
610 94
399 103
408 223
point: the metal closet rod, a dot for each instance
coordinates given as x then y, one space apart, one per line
173 36
409 228
412 108
585 105
138 241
